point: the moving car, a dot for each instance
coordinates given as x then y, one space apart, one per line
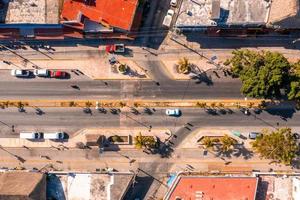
20 73
41 72
58 74
173 112
31 135
254 135
54 136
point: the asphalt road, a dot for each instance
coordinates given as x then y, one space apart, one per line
204 87
72 119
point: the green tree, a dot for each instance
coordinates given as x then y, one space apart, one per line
294 92
278 145
227 143
141 141
183 66
263 74
123 68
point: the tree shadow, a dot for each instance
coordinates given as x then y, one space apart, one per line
220 153
241 151
211 111
284 114
202 78
148 111
135 111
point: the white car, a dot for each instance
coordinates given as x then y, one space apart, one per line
170 12
173 3
41 72
20 73
173 112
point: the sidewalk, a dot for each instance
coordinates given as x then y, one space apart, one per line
192 141
93 68
87 135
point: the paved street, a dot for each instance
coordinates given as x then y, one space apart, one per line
39 88
72 119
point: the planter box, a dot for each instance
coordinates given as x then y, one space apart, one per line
120 140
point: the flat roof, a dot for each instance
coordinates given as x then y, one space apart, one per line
232 12
22 184
285 13
116 13
207 188
31 11
87 186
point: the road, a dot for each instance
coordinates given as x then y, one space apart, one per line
203 88
72 119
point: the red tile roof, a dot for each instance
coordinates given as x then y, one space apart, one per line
213 188
116 13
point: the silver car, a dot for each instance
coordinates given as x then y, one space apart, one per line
20 73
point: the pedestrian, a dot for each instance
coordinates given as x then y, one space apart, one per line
13 128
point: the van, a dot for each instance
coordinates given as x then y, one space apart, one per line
41 72
31 135
54 136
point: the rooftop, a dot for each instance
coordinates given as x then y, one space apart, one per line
114 13
87 186
22 185
222 12
207 188
30 11
287 16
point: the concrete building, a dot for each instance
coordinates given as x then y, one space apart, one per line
88 186
212 187
58 19
284 14
22 186
102 16
195 14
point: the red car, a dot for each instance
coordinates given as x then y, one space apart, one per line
58 74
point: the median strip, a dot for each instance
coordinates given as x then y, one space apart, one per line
200 103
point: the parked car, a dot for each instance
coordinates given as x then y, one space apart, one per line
254 135
168 18
31 135
58 74
20 73
173 3
115 48
173 112
54 136
41 72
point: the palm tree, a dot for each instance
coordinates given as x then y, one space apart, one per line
227 143
122 68
221 105
207 142
138 141
147 142
183 66
213 105
201 105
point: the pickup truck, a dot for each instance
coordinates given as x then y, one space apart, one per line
115 48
